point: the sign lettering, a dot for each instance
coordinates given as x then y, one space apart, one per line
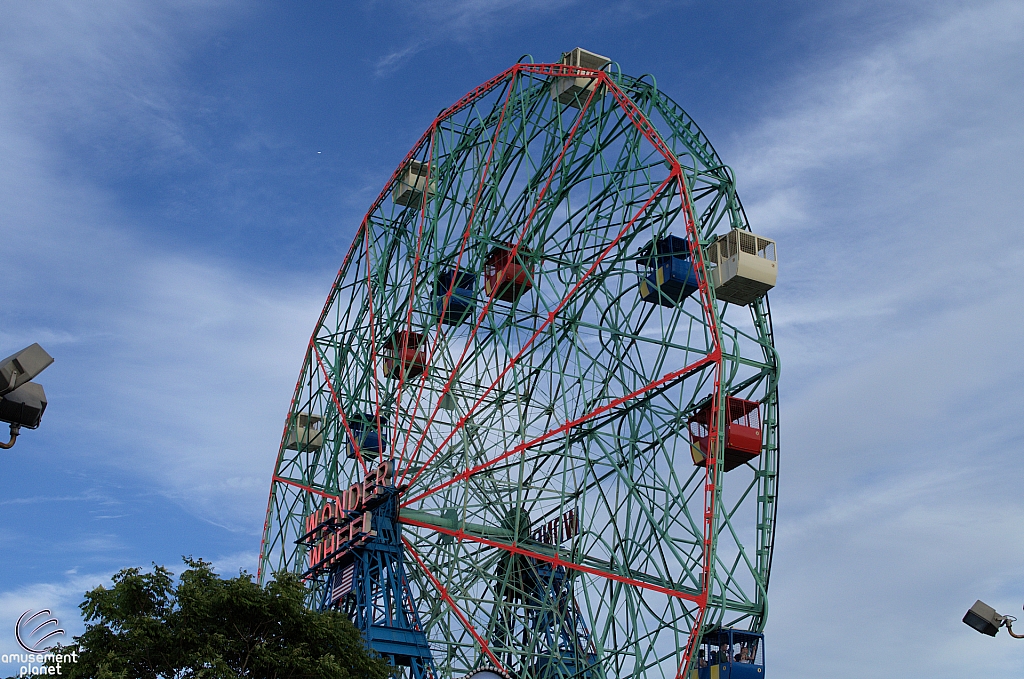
559 529
345 522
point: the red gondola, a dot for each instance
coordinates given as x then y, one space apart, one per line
403 355
505 276
742 433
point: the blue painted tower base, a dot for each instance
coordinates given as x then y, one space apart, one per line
370 586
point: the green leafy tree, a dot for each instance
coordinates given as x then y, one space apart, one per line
146 627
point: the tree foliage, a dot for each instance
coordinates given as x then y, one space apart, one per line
148 627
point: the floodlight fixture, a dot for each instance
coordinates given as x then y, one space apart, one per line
984 619
24 406
19 368
22 401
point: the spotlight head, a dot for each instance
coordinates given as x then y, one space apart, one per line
984 618
24 406
19 368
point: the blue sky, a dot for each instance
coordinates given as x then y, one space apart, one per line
179 182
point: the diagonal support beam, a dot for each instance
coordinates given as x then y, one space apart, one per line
549 555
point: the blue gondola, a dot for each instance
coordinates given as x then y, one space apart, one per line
729 654
364 431
461 303
666 271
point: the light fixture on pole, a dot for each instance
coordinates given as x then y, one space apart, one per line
22 401
984 618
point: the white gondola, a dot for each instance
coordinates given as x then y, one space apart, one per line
412 182
743 266
306 433
571 91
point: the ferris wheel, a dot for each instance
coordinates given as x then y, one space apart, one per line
535 430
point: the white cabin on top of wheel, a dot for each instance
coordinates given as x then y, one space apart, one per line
573 91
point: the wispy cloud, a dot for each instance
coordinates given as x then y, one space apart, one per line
176 366
229 565
883 177
460 18
89 496
390 62
61 598
465 21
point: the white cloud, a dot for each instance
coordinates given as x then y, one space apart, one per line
169 364
60 598
180 368
390 62
229 565
470 22
892 181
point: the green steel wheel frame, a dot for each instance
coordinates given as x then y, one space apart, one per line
565 403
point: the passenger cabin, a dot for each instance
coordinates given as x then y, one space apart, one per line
403 355
742 433
454 297
575 91
507 277
305 434
743 266
412 182
729 654
365 437
666 271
